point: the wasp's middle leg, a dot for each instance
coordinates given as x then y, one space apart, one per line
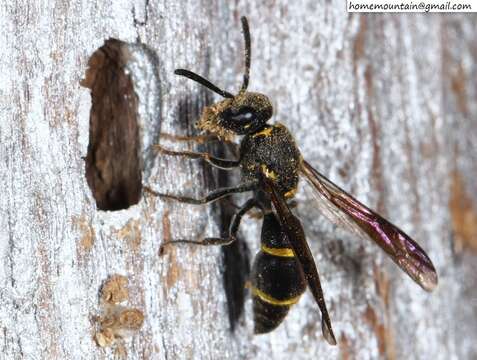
233 229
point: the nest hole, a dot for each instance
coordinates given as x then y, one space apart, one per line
113 168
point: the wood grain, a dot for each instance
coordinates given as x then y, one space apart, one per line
384 105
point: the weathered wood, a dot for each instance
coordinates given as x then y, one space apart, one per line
383 104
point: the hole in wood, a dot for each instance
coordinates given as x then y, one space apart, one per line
113 169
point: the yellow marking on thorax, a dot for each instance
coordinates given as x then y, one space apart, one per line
269 173
291 193
282 252
271 300
265 132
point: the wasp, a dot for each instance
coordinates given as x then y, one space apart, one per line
271 165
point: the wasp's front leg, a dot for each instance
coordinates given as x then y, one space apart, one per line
214 161
200 139
212 196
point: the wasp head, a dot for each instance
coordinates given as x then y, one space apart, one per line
243 114
240 114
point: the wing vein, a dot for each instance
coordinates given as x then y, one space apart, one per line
344 210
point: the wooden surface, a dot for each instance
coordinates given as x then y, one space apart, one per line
385 105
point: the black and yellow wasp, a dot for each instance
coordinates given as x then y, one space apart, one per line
271 165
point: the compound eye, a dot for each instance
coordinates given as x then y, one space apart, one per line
243 114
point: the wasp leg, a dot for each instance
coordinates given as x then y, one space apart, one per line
212 196
203 139
197 138
233 229
220 163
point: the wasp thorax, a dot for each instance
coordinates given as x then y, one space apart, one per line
243 114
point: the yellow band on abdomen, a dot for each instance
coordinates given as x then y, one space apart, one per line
271 300
282 252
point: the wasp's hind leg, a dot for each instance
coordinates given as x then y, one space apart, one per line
233 229
224 164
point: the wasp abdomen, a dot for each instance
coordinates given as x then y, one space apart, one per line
277 280
277 284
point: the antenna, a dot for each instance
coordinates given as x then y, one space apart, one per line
248 53
203 81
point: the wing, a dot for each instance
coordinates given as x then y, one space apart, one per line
342 208
292 227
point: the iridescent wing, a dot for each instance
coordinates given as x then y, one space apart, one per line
345 210
296 236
